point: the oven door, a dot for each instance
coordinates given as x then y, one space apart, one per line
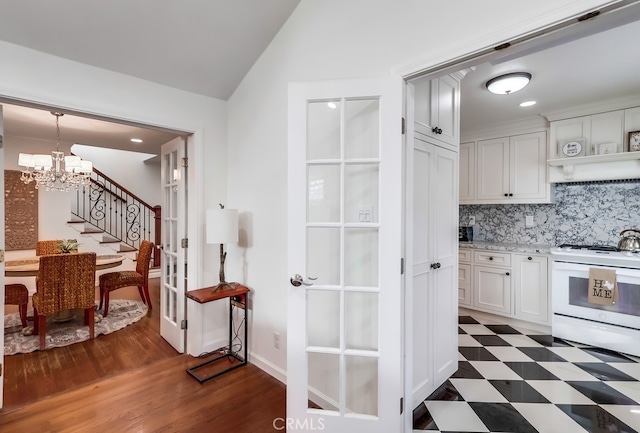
570 283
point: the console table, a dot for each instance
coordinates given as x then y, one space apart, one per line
237 295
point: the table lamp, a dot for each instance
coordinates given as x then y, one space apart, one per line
222 228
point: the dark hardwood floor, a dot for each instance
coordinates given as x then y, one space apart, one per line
160 397
133 381
29 377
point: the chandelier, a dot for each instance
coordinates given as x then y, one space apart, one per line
55 172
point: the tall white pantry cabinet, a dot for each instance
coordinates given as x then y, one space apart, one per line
433 261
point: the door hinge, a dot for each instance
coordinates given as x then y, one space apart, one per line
588 16
401 405
1 256
404 126
185 162
183 324
402 266
184 243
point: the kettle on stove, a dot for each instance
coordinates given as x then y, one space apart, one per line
630 241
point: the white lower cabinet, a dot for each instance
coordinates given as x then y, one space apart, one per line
492 289
508 284
464 284
432 266
530 287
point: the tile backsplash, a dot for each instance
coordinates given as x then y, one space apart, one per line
583 213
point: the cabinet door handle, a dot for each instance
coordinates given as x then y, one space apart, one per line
507 274
436 130
506 195
510 194
529 258
434 266
490 258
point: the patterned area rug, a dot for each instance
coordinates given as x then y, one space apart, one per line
122 313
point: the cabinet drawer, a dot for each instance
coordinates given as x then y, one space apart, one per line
492 258
464 256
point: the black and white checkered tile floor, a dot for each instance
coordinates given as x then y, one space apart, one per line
511 380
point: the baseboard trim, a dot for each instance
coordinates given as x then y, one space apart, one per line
268 367
506 320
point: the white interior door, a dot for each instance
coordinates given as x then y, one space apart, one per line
344 351
173 258
1 261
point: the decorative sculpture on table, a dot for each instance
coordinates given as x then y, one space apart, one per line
69 246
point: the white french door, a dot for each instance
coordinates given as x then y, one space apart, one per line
1 261
173 258
344 350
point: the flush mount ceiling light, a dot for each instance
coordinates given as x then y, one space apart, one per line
508 83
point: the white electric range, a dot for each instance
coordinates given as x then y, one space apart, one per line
616 326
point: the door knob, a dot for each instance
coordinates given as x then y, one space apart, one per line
298 280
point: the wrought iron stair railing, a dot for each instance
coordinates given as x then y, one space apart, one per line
110 208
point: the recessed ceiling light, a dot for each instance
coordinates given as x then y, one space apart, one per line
527 103
332 105
136 140
508 83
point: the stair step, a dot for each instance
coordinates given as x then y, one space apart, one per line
109 241
126 248
75 221
88 231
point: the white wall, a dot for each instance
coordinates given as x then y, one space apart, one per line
27 75
126 168
331 39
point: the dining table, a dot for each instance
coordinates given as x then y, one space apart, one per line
28 267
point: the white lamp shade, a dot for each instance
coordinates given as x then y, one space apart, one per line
71 163
25 160
222 226
42 161
86 166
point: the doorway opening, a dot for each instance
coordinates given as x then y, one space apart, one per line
107 142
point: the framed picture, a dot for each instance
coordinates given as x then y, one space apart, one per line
605 148
633 144
572 147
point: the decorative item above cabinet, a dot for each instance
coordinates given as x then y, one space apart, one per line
608 150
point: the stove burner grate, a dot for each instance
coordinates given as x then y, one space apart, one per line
589 247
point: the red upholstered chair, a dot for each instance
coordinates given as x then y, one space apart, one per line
140 278
64 282
17 294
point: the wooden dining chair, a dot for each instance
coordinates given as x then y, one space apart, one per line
140 278
17 294
64 282
53 246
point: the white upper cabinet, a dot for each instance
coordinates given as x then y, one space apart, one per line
467 172
437 110
512 169
605 154
597 129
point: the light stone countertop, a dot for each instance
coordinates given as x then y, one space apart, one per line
512 248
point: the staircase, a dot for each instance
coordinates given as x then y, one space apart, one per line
115 217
